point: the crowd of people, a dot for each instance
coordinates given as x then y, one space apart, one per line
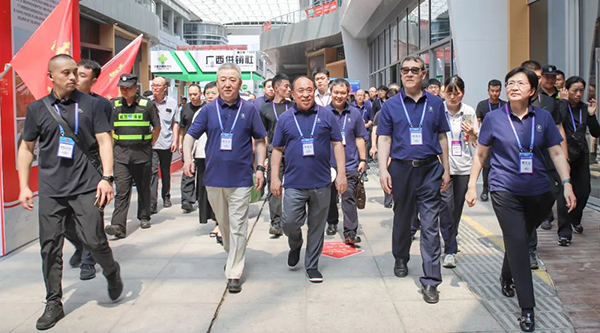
308 140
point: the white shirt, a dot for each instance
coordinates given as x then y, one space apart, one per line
460 165
200 144
323 100
168 110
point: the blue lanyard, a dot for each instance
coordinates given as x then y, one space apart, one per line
515 131
490 104
344 124
234 121
450 126
408 117
573 118
275 110
62 130
313 127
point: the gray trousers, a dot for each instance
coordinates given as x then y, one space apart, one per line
275 208
296 202
188 188
349 202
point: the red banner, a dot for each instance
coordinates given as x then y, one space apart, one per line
51 38
326 8
319 10
122 63
333 6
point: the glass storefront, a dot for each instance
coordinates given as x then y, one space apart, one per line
423 29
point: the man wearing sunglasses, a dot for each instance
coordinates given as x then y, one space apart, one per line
412 130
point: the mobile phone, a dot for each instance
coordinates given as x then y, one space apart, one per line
98 206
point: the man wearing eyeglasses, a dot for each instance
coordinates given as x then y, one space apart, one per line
412 130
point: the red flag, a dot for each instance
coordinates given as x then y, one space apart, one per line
51 38
122 63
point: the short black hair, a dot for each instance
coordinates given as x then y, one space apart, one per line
210 85
559 72
91 64
303 76
320 70
341 82
572 80
279 77
147 93
382 87
494 83
182 98
434 82
531 77
264 84
531 65
454 83
194 85
413 58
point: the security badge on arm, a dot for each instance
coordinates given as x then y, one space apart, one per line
525 158
66 145
308 146
227 138
416 133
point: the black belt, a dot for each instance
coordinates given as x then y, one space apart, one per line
418 163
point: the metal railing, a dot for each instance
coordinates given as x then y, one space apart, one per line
302 14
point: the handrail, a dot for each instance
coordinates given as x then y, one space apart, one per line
319 8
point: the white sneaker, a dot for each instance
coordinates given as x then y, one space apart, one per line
449 261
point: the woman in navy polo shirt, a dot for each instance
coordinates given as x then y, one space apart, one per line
515 137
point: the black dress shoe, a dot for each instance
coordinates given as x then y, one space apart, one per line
294 258
275 230
484 196
167 202
115 283
87 272
52 314
527 322
75 260
430 294
331 229
400 269
508 287
187 207
153 210
234 286
115 230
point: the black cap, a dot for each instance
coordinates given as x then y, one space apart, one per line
549 70
127 80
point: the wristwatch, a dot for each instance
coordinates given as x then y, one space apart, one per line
568 180
261 168
109 179
362 161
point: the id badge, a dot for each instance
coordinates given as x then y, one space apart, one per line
416 136
526 163
344 138
308 147
66 147
226 141
456 148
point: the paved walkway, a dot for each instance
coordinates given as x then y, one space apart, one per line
174 281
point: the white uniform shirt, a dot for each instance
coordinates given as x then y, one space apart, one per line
323 100
460 165
168 111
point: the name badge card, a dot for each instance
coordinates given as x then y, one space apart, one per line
416 136
344 138
456 148
526 163
308 147
226 141
66 147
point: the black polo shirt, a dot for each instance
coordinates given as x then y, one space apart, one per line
484 107
63 177
549 104
187 115
104 106
268 116
136 153
578 115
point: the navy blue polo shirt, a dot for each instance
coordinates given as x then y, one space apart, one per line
306 172
497 134
228 168
355 128
393 123
365 111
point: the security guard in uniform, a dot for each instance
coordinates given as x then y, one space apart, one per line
136 127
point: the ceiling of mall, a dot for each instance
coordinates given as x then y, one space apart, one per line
232 11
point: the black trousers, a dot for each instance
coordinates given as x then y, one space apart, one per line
532 238
333 216
124 175
417 190
188 188
453 202
89 227
518 216
205 211
71 236
161 158
580 180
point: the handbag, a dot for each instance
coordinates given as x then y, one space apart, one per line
94 160
359 193
576 146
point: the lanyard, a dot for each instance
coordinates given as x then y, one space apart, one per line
450 125
234 121
364 113
344 124
62 130
490 104
313 127
408 117
275 110
328 100
515 131
573 118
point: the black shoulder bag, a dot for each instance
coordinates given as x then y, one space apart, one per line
69 133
